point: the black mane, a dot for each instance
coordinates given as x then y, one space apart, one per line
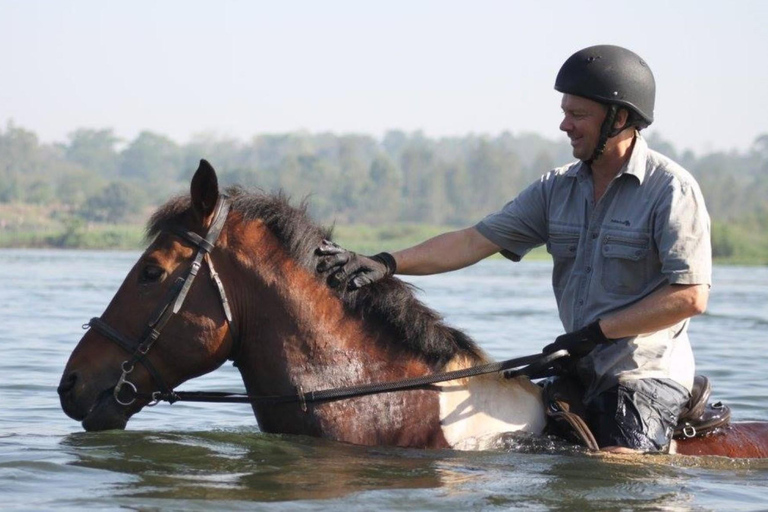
389 304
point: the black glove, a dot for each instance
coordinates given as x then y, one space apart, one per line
354 269
579 343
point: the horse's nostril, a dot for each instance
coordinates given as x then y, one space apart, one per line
67 383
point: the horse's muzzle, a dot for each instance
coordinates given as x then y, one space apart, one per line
101 412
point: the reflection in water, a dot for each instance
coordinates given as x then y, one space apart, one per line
248 465
174 458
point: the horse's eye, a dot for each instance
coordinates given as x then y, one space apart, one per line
151 274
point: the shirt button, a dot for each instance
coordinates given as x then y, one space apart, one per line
594 235
589 269
581 302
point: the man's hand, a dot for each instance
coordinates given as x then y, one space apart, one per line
579 343
354 269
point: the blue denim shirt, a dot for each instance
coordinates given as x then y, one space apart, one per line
650 228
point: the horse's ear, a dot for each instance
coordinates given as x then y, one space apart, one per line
205 191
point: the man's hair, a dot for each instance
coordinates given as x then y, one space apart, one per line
635 119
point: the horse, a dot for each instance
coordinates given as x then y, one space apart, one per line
266 308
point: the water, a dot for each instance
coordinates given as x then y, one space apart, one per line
208 456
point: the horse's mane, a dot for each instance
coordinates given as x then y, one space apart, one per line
389 304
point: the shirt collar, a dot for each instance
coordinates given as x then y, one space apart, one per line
635 166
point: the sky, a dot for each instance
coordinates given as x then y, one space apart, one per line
237 69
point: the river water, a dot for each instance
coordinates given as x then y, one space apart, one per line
209 456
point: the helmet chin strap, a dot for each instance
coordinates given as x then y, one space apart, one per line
606 132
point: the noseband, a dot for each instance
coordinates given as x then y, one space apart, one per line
172 305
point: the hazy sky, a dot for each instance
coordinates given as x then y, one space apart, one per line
242 68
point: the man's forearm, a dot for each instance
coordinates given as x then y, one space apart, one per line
660 310
445 252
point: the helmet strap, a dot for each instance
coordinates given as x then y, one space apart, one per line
606 132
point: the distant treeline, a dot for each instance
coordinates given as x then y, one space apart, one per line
95 177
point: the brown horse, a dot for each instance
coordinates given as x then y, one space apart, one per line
264 307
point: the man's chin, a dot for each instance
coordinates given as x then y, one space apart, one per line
580 155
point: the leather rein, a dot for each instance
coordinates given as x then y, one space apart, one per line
533 366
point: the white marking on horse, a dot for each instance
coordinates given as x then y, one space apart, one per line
474 411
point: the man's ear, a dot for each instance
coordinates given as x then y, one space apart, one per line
620 123
204 190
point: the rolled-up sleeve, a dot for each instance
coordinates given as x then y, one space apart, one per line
520 225
683 235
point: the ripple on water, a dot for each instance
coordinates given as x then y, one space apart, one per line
209 456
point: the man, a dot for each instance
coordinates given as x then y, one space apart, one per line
629 235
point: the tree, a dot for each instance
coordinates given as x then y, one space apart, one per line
225 154
114 203
75 186
415 161
94 150
150 158
20 159
382 191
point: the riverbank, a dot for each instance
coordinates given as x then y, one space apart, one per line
732 244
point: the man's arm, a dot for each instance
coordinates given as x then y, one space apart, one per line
663 308
449 251
446 252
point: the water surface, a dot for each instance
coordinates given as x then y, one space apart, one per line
209 456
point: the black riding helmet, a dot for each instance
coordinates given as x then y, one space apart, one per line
614 76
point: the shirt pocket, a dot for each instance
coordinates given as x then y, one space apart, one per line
625 265
562 246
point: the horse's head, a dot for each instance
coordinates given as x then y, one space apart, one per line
164 326
167 323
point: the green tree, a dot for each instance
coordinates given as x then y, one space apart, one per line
74 187
382 191
416 160
225 154
94 150
114 203
20 161
150 158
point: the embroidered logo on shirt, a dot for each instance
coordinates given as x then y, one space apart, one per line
625 222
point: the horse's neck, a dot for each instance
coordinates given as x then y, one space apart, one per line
335 350
299 336
303 339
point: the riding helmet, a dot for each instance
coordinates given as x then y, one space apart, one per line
611 75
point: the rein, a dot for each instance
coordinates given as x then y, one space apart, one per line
533 366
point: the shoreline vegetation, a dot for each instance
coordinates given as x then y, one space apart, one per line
732 245
95 190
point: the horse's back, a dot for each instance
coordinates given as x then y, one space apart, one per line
738 440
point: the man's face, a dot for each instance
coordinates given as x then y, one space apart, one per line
582 119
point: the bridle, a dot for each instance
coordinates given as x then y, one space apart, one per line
533 366
175 298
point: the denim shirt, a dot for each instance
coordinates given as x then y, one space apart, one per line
649 229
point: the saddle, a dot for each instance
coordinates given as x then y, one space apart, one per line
700 418
566 413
